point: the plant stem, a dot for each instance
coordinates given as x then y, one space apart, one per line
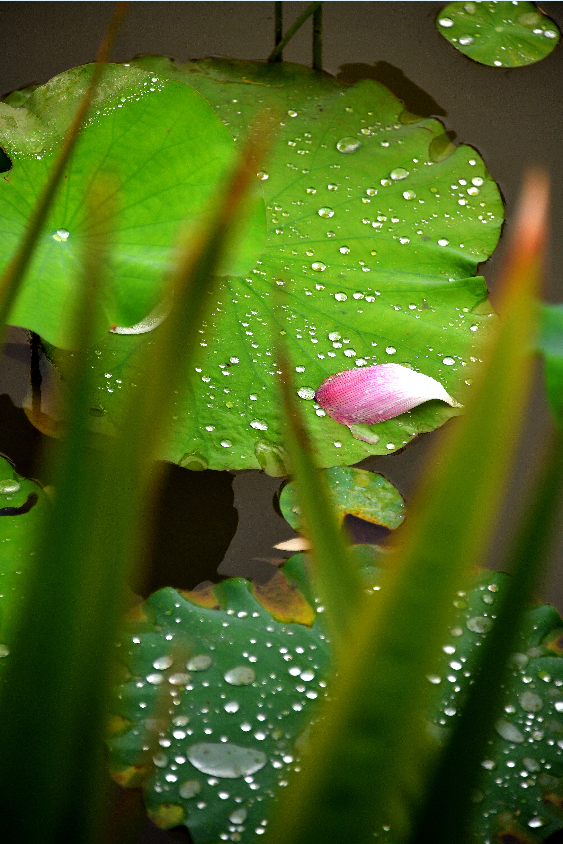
292 30
278 28
318 38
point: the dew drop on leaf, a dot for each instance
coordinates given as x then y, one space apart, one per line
348 145
189 789
200 662
241 675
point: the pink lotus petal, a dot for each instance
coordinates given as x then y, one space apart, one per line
376 393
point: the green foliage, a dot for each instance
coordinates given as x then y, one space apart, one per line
23 505
355 491
208 673
166 153
415 301
499 34
551 347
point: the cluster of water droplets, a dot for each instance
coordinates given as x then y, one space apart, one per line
238 705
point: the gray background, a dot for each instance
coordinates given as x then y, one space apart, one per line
514 118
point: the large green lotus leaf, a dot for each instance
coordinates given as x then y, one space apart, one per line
165 154
210 747
218 687
551 347
376 226
499 34
353 491
22 507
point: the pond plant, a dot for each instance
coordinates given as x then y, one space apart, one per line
238 265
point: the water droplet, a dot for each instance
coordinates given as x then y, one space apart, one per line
465 40
4 650
262 175
231 706
241 675
443 242
550 33
226 443
391 350
509 731
291 112
160 760
398 174
155 679
446 22
259 424
189 789
332 187
318 266
238 816
226 760
325 212
530 702
201 662
409 194
348 145
537 821
306 393
340 297
371 191
271 458
9 486
334 335
61 235
162 663
479 624
179 679
194 461
448 361
434 679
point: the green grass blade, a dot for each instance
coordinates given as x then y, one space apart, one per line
15 270
277 51
336 578
448 806
366 762
54 704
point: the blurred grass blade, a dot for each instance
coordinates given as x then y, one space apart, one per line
367 760
336 578
52 708
295 27
551 347
448 806
54 704
14 272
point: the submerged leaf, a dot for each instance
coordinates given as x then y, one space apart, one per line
499 34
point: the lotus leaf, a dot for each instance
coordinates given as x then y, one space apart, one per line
498 34
164 154
353 491
219 684
374 234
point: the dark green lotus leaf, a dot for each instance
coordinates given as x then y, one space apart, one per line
374 235
522 786
551 347
165 154
22 506
499 34
354 491
186 729
219 687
